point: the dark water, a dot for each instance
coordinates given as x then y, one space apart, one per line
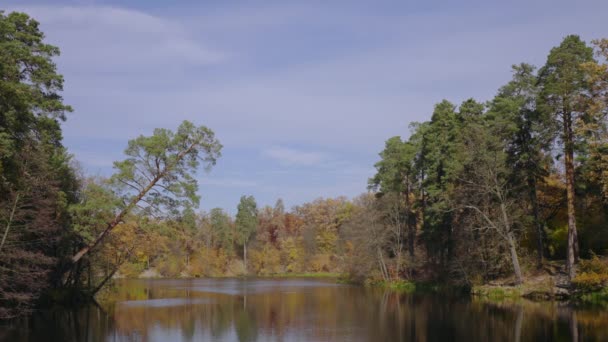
302 310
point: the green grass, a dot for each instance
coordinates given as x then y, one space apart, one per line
396 285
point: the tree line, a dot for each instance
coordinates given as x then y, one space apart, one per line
479 192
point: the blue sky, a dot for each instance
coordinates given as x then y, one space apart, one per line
301 94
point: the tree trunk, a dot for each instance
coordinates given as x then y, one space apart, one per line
104 281
382 265
10 221
115 221
511 241
539 226
111 274
572 255
515 259
133 203
410 220
245 256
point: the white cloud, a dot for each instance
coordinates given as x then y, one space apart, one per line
100 39
333 80
291 156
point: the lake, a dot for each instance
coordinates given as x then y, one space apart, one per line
302 310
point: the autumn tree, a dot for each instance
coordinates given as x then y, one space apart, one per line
158 173
367 232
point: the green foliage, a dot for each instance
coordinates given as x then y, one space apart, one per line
223 229
30 87
170 266
36 181
159 170
398 285
95 209
395 165
562 79
246 219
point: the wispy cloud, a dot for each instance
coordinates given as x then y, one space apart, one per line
290 156
103 39
321 85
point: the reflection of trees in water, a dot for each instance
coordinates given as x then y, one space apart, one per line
87 324
323 313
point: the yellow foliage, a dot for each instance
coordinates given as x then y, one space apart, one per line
326 240
209 263
266 260
594 265
292 254
171 266
320 263
590 281
593 275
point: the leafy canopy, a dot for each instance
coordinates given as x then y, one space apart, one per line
160 169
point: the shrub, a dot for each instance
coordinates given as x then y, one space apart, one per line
593 275
132 269
171 266
594 265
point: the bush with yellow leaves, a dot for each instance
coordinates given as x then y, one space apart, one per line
593 275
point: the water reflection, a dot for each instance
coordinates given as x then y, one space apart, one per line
302 310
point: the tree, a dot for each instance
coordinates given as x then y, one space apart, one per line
563 87
396 174
487 191
222 228
246 222
440 166
526 133
369 235
159 173
36 181
594 127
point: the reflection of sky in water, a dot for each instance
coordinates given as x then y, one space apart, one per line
239 287
164 302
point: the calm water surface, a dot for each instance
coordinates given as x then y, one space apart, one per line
301 310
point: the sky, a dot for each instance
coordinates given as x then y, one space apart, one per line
301 94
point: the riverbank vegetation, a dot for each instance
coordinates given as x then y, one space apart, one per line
484 192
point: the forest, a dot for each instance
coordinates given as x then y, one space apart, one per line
504 189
